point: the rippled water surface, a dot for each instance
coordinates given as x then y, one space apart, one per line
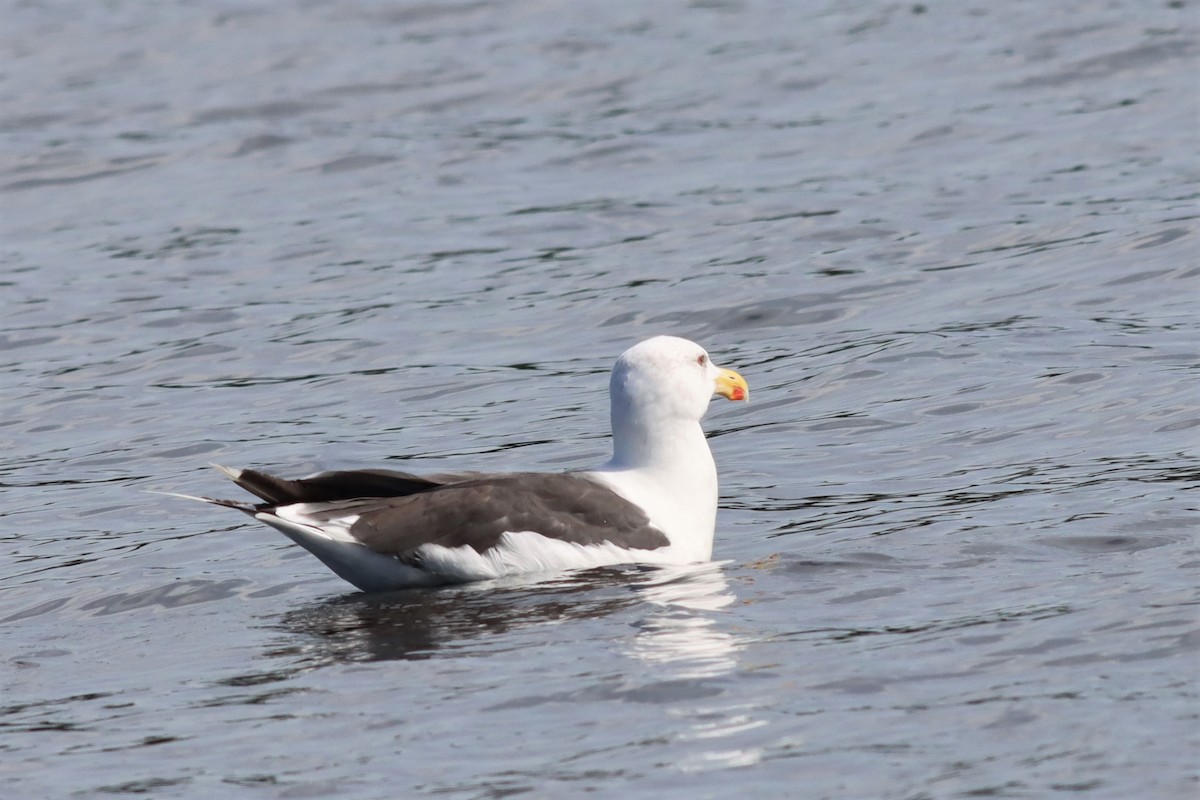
952 246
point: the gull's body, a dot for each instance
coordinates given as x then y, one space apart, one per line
654 501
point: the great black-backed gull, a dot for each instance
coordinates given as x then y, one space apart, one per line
654 501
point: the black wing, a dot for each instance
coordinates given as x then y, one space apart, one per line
332 486
477 511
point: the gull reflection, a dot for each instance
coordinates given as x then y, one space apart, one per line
684 644
683 636
681 632
415 624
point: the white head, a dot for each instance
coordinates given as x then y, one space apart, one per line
658 386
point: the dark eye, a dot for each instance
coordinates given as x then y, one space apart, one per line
702 359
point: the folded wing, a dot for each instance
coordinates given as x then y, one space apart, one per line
396 514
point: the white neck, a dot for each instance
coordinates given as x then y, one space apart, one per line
668 470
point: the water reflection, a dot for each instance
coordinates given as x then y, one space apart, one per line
682 637
682 651
417 623
681 634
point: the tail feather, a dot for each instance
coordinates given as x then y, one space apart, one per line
333 486
248 508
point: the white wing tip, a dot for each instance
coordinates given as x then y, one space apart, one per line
231 473
212 501
178 494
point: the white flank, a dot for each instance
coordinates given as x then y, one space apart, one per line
526 551
352 561
305 515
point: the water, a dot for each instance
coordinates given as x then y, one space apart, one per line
953 248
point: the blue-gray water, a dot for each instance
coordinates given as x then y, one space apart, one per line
952 246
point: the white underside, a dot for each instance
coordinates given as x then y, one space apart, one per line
517 552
